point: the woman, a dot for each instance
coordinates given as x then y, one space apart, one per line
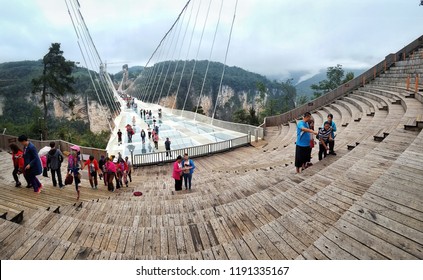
74 166
18 163
177 173
32 163
143 136
110 169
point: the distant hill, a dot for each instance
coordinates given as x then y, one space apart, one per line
303 88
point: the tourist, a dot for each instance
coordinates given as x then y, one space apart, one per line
110 169
156 140
32 163
133 121
129 132
311 126
54 162
18 163
149 131
74 164
102 174
302 149
143 136
129 168
119 134
332 143
189 166
177 173
325 137
93 170
44 165
167 146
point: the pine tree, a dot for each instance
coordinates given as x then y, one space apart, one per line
55 81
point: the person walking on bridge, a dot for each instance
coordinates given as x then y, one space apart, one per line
32 163
18 163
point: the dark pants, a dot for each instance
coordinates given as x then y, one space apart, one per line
178 185
129 175
322 151
59 177
110 176
187 180
92 177
331 146
15 174
168 153
33 180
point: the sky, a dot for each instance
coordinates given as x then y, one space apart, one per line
270 37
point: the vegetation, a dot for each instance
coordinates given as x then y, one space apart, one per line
335 78
21 113
265 97
55 81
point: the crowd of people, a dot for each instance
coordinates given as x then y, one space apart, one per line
114 171
305 140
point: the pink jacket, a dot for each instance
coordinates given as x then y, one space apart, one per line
44 161
177 171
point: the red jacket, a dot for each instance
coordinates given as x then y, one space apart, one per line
88 162
18 160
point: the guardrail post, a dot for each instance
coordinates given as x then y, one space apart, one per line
256 135
408 82
417 83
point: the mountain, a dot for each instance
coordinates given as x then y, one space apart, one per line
303 87
176 84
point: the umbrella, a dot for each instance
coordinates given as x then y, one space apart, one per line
44 151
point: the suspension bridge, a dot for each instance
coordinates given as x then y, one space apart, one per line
164 88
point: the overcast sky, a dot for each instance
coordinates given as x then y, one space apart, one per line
270 37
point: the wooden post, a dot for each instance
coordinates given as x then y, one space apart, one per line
408 82
374 73
384 65
417 83
403 55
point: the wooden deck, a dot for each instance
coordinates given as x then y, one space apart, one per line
365 203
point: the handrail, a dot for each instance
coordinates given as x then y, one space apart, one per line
193 152
343 89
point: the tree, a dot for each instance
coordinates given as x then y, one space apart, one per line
55 81
335 78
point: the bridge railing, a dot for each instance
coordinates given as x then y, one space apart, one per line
193 152
346 88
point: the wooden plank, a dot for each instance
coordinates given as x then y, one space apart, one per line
21 251
372 241
14 241
243 250
231 251
331 250
48 249
114 240
156 244
72 252
148 241
131 242
123 240
219 253
60 250
207 254
164 248
171 237
405 238
180 241
312 253
139 242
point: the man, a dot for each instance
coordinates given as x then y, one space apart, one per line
324 139
167 146
129 164
32 163
332 143
302 149
54 162
189 166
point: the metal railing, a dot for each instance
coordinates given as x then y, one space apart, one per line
193 152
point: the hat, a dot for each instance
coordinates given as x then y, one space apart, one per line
76 148
115 160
